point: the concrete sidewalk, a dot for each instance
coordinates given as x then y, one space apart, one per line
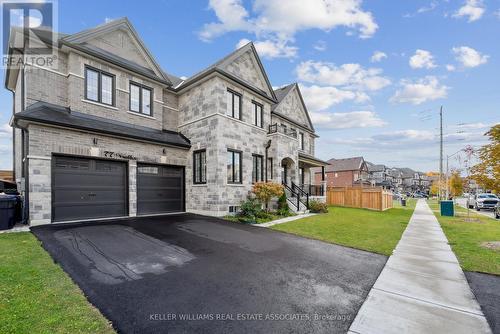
422 288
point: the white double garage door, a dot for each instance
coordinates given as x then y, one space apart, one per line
88 188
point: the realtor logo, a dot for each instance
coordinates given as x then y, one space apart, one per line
28 27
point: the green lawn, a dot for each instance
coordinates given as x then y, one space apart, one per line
466 238
36 295
369 230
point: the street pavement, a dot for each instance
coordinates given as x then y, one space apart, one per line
422 288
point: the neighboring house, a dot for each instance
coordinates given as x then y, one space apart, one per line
407 179
344 172
111 134
378 175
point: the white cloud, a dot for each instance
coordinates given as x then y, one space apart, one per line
478 125
424 9
271 19
420 91
346 120
429 8
320 46
472 9
422 59
232 16
409 135
469 57
5 131
321 98
352 76
17 17
394 141
450 68
272 49
378 56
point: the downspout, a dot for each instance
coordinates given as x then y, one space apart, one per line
13 137
26 153
267 149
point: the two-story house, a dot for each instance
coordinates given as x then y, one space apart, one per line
379 175
108 133
343 172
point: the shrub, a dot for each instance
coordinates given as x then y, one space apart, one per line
263 215
283 208
265 191
250 208
318 207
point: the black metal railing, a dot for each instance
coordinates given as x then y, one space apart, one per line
313 189
291 195
301 194
275 128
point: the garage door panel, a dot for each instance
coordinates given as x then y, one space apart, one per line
97 196
88 188
79 211
69 179
160 189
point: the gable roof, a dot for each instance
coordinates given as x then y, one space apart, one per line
375 168
78 40
407 172
47 113
220 66
283 92
347 164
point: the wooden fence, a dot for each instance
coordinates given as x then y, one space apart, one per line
374 198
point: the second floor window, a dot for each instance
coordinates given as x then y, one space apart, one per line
141 99
301 138
258 114
258 168
233 166
233 104
200 167
99 86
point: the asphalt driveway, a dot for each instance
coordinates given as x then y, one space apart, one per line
189 273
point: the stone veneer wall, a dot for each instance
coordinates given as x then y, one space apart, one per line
44 141
207 126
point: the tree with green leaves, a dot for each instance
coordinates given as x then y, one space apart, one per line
487 172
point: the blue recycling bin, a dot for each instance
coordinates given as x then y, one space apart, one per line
8 205
447 208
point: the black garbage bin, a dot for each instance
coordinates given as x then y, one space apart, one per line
7 211
403 201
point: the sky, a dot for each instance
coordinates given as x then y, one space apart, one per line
373 74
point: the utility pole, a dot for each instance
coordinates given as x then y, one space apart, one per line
440 151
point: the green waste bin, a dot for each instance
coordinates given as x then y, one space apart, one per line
447 208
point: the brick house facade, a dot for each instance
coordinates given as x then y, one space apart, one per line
343 172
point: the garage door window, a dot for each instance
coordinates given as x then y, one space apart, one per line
147 170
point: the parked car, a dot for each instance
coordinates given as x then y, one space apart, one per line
497 211
420 194
483 201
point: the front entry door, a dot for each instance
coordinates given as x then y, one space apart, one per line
284 176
